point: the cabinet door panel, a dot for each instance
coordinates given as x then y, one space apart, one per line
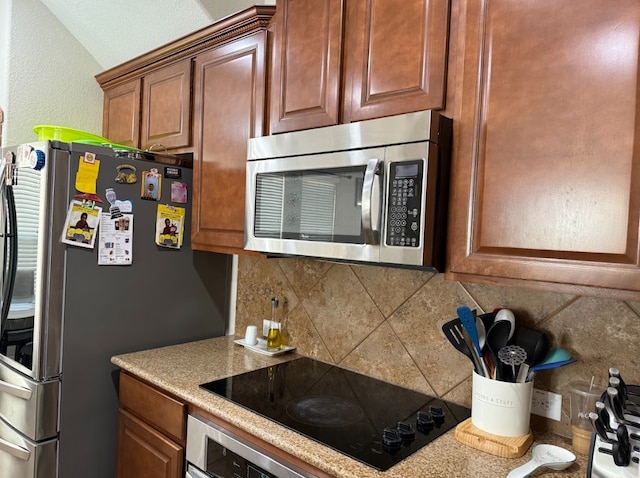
547 162
229 109
121 113
166 108
307 59
395 58
142 451
165 413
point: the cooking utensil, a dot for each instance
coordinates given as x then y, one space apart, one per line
482 333
556 355
507 314
552 456
535 343
453 331
497 337
547 366
468 320
512 355
487 319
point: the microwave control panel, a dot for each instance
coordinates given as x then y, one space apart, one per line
404 208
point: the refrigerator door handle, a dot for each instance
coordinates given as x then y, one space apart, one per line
15 390
11 244
14 450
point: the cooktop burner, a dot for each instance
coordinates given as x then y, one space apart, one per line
372 421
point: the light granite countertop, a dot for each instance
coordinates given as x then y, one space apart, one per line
179 369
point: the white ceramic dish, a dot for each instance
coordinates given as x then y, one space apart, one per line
261 347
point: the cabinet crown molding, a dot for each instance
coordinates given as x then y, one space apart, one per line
233 26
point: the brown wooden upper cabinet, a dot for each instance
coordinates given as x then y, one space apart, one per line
166 107
338 61
152 111
121 113
214 79
546 173
230 104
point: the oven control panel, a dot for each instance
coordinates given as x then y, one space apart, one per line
215 452
404 204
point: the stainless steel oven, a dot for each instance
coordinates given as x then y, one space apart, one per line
214 452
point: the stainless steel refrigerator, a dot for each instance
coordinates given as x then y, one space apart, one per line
64 315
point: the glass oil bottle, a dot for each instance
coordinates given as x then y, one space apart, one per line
284 331
273 337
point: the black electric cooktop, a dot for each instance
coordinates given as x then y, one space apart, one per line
372 421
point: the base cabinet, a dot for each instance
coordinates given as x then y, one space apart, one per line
151 431
143 451
546 170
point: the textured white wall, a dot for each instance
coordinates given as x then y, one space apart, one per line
5 15
118 30
49 76
51 50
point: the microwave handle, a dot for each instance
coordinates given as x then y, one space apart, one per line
371 197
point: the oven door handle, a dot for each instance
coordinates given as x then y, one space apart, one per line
193 472
15 450
15 390
371 199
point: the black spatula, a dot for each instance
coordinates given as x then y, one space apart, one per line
454 332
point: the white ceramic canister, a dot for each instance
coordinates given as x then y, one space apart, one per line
501 408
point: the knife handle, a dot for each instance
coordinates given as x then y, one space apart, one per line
622 447
618 384
616 408
599 428
603 414
615 404
615 373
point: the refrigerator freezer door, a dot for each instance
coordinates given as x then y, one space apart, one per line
22 458
30 407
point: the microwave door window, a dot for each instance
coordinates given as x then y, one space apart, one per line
321 205
317 208
269 200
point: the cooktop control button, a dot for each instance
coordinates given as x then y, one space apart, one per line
437 414
391 439
407 432
425 422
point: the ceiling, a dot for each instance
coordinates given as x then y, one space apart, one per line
116 31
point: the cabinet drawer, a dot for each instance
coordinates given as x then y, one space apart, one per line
163 412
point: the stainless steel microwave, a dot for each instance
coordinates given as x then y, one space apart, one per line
375 191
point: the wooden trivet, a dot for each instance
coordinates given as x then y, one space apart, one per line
504 447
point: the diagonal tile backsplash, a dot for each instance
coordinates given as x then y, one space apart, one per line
386 322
